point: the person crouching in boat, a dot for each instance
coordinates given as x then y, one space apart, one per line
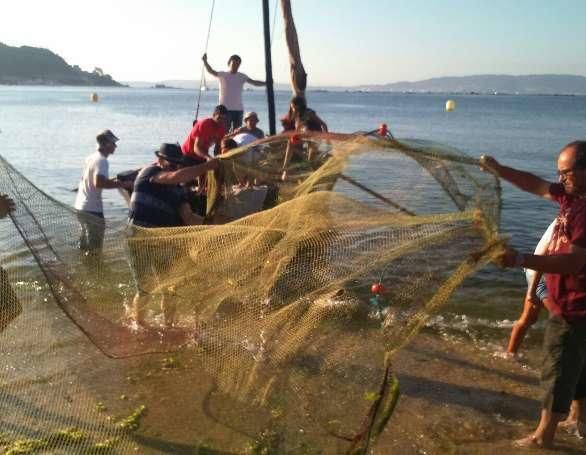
157 201
301 119
250 126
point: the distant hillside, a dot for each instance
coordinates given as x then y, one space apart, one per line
491 83
36 66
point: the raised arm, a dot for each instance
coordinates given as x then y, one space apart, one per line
208 68
255 82
187 174
521 179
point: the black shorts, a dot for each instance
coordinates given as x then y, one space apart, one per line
563 374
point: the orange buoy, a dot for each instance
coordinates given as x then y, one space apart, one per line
94 97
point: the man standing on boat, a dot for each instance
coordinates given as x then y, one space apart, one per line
563 374
205 133
231 84
88 202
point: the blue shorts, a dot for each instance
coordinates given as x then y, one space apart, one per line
541 290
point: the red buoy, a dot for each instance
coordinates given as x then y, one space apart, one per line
383 129
377 288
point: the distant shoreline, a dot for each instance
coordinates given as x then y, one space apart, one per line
280 90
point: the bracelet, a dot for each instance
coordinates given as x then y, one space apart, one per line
519 260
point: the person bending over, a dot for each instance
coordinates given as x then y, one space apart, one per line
158 200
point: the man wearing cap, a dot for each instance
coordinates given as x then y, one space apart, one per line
231 84
250 122
159 201
88 202
205 133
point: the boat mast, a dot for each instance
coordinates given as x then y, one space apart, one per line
298 74
269 67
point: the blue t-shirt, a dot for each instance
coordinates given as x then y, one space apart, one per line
153 204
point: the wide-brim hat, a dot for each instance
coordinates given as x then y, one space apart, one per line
171 153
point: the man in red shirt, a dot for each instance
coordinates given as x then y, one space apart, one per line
204 133
563 375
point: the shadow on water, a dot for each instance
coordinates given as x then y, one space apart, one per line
475 398
163 446
433 354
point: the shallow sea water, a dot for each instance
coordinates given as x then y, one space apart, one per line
47 132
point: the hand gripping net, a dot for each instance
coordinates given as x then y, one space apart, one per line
258 331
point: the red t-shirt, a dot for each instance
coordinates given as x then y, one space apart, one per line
209 132
568 292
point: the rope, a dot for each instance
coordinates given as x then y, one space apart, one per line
274 21
202 78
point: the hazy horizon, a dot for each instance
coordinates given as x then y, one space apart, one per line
385 42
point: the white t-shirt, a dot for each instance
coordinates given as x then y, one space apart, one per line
243 139
541 247
89 198
231 89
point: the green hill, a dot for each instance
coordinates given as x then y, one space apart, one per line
37 66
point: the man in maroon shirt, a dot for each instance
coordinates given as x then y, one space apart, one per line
204 133
563 375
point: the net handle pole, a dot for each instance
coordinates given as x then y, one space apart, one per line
201 79
269 69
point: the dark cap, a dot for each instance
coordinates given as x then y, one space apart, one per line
171 153
221 109
106 136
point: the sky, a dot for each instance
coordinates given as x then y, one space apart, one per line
343 42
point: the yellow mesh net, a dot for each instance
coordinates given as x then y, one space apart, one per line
256 332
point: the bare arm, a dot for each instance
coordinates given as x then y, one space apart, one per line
200 150
570 263
187 174
188 217
209 69
105 183
522 180
256 83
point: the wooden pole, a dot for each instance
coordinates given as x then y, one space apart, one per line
269 67
298 74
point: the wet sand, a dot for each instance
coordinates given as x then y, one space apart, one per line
458 399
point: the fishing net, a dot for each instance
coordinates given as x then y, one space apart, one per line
257 332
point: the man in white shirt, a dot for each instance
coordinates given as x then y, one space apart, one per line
231 84
88 202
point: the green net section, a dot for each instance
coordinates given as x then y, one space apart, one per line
255 332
